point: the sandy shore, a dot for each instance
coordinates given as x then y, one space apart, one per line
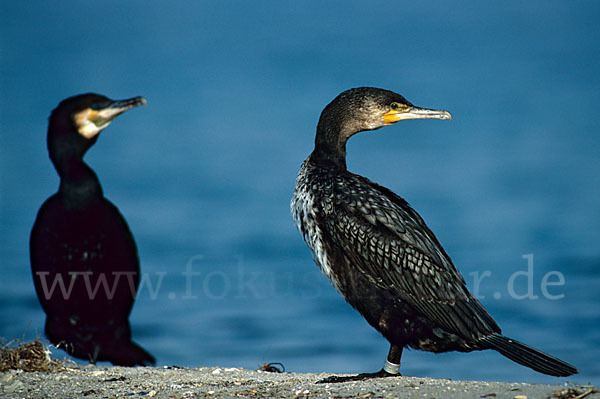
153 382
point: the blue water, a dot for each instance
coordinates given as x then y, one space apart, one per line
204 172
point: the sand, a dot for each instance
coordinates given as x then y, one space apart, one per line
215 382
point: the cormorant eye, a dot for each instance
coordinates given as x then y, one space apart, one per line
395 106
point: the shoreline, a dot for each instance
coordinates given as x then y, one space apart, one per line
217 382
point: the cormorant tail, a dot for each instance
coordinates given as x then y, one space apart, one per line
528 356
128 355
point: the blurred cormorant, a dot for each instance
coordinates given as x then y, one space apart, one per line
379 253
83 257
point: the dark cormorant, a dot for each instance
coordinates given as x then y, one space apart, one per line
379 253
83 257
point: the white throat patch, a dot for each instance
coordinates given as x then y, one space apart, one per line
85 126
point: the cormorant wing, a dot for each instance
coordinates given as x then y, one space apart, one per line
385 239
97 241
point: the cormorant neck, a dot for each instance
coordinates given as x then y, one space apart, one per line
66 147
78 183
330 141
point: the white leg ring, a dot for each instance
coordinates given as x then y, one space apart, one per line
391 368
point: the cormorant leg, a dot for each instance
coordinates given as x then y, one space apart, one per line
392 362
390 369
94 356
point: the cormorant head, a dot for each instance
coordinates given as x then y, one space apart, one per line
75 124
360 109
369 108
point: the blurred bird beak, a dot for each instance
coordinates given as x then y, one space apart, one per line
102 114
393 116
92 120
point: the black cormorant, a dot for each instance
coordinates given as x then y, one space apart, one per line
379 253
83 257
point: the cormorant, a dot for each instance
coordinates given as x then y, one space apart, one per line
84 259
380 255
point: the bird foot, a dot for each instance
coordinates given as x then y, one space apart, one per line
334 379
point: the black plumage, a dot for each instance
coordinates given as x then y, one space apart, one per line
84 259
379 253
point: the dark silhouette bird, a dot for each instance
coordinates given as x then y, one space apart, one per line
83 257
379 253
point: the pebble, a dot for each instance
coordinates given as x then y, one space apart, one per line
14 386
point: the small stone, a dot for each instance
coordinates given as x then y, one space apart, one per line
216 371
16 385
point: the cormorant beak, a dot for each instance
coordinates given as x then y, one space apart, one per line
412 112
102 114
92 120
